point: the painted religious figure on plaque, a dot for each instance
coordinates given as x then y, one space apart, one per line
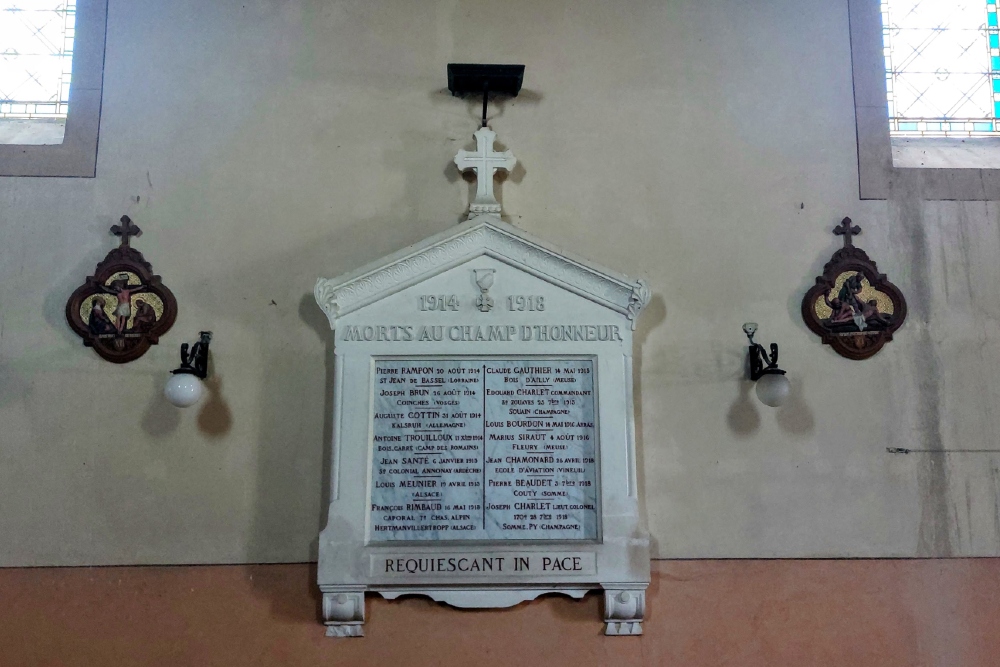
853 307
123 308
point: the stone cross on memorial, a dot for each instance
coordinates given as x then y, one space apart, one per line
485 161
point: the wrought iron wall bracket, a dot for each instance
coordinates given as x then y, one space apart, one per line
761 363
758 356
195 362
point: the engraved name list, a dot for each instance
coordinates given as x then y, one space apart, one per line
484 449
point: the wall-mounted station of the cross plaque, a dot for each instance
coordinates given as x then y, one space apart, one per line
483 446
123 308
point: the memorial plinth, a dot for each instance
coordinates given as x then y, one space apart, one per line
483 440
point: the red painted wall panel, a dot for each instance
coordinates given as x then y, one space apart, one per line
745 613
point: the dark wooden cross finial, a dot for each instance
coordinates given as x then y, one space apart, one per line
847 231
125 230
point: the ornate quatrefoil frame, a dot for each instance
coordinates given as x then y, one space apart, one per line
852 307
123 308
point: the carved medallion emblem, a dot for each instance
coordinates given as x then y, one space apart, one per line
853 307
123 308
484 281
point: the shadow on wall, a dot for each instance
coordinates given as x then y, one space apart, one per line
215 419
313 315
743 417
652 316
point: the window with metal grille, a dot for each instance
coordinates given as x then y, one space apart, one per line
942 67
36 62
51 85
926 92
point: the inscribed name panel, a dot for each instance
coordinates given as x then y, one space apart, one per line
484 449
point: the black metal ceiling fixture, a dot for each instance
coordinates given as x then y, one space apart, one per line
475 79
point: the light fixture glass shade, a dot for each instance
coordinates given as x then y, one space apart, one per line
184 389
773 389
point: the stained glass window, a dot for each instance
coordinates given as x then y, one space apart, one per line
942 67
36 57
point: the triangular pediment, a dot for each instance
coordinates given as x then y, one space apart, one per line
482 235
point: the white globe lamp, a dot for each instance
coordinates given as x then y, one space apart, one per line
773 389
184 390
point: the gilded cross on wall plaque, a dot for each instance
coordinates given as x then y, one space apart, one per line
123 308
852 307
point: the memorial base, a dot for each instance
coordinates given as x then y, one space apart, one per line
344 606
344 610
624 610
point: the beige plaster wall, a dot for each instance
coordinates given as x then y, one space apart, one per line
707 147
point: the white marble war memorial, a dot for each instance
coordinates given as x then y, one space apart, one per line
483 446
